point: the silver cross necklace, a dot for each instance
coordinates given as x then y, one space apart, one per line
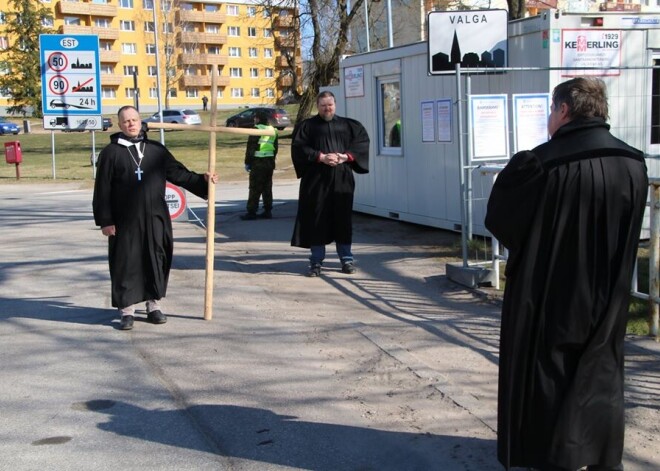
138 162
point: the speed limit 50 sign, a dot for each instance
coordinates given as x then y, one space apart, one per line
70 81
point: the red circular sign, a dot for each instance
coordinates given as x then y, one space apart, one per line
58 85
58 61
175 199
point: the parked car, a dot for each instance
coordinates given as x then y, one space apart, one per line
107 123
7 127
175 116
277 117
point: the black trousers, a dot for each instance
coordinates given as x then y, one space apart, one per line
261 184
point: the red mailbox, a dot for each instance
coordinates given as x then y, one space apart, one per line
13 154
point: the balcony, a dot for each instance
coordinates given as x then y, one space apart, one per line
282 41
202 38
283 21
202 81
82 8
203 59
282 62
285 81
103 33
194 16
109 56
111 79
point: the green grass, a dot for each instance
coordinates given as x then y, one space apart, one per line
73 151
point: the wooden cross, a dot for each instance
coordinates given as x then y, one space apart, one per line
212 129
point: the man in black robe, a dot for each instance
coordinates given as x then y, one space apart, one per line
326 150
570 213
129 206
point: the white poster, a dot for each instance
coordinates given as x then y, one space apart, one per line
489 127
530 120
428 124
597 49
354 81
444 120
476 38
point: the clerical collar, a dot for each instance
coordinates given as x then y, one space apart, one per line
126 141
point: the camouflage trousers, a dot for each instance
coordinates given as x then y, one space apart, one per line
261 183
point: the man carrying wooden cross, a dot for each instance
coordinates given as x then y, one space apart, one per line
129 206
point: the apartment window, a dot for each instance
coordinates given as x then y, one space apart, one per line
46 22
186 6
190 70
234 52
254 72
215 29
211 8
235 72
284 33
266 13
269 73
237 93
129 92
172 93
127 25
192 93
102 23
107 69
254 92
150 49
268 53
130 70
189 49
252 32
71 20
187 27
284 13
252 11
655 101
125 3
149 27
252 52
148 4
4 43
128 48
152 70
268 33
105 46
168 28
107 92
215 50
3 18
165 5
232 10
270 93
234 31
153 92
220 95
169 50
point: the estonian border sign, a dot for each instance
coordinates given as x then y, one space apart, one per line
476 38
70 81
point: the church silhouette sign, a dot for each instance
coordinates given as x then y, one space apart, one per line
472 38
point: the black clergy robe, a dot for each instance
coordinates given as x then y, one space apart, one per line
140 254
570 213
325 203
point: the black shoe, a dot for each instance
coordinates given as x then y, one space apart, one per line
249 217
314 270
265 215
156 317
126 323
348 268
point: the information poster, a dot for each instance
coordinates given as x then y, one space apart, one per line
428 124
595 49
354 81
530 120
444 112
489 127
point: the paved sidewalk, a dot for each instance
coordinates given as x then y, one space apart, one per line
394 368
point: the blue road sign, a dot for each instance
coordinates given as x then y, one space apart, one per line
70 81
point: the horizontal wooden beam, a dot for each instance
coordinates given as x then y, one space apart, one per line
205 128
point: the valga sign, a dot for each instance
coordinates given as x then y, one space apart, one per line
474 39
596 50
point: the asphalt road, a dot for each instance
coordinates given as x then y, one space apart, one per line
393 368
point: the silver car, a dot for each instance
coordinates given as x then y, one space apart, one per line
175 116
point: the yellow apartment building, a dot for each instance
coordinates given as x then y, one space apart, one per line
255 49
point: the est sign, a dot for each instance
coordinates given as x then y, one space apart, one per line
70 81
